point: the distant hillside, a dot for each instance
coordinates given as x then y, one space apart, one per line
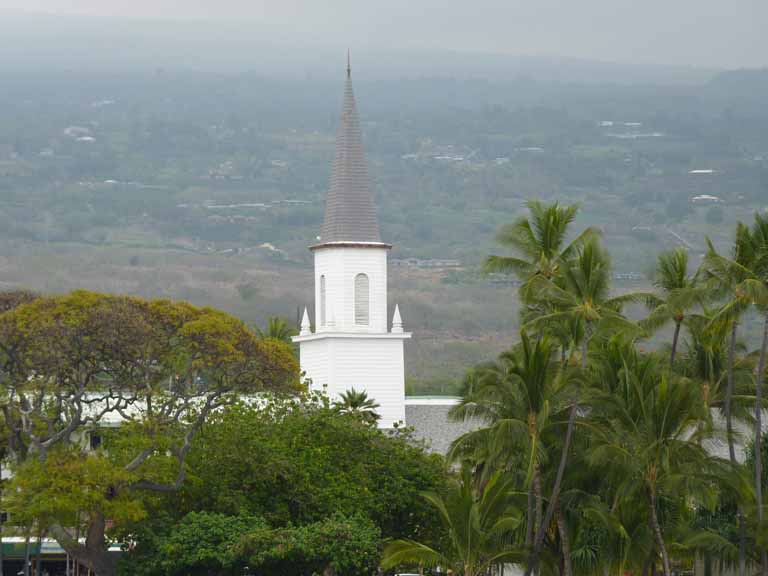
743 92
99 43
208 184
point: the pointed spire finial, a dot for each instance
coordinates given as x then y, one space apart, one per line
350 213
397 321
306 327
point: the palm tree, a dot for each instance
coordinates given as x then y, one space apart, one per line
538 242
358 404
650 441
681 292
540 248
706 359
522 398
758 289
479 524
581 295
278 329
746 273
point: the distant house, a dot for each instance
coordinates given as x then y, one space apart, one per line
706 199
76 131
426 263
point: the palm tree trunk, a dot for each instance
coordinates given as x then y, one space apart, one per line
658 534
759 438
675 340
565 541
533 559
732 444
530 524
539 497
585 344
647 565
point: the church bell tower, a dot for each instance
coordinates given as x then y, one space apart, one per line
352 345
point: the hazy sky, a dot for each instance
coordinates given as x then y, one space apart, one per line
709 33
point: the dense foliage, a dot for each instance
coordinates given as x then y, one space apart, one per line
621 459
306 471
204 543
73 366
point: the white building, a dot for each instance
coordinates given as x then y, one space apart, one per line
352 345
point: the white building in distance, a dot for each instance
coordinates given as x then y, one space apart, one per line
352 346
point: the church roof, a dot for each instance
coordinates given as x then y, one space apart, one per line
350 214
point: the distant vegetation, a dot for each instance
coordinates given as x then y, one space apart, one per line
208 186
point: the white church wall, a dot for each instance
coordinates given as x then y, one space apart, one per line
375 364
340 266
315 358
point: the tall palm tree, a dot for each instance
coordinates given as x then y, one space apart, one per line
724 276
747 274
620 540
680 291
479 524
706 359
650 441
581 295
538 241
359 404
540 247
521 399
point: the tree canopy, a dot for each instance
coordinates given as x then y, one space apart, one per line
76 364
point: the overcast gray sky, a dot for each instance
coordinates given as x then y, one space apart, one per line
708 33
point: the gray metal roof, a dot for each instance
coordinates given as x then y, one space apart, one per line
350 214
431 424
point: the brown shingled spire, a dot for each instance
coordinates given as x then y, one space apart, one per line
350 214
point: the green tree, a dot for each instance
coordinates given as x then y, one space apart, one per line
706 361
522 400
205 543
298 460
581 295
681 292
71 363
649 443
746 274
200 544
278 329
538 241
336 546
359 405
479 524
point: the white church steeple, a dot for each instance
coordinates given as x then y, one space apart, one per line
352 346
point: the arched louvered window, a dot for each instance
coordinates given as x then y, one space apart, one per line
322 300
362 299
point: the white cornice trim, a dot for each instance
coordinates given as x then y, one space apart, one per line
353 335
351 244
432 400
